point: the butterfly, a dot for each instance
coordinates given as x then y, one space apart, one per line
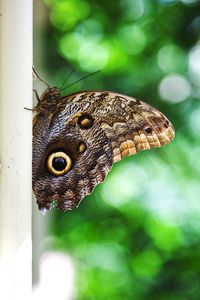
78 137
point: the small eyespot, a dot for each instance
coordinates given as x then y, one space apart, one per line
82 147
85 121
59 163
166 124
148 130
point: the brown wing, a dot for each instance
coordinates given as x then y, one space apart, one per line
129 124
94 129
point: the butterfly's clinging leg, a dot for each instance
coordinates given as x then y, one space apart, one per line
36 94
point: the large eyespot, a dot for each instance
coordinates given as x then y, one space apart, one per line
85 121
59 163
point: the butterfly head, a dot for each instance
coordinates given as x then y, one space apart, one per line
49 100
51 93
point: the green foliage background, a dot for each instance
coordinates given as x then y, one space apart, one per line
138 235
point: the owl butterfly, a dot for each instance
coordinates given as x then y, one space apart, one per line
77 138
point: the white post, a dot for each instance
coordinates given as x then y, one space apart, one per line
15 148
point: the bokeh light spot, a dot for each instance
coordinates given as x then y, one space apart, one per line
195 121
69 45
146 263
133 38
165 237
132 10
194 64
174 88
92 55
105 256
123 185
65 14
171 59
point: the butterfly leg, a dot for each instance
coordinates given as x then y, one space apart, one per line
36 94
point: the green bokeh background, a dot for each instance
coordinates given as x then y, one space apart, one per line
138 235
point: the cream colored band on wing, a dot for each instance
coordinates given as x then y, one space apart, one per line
138 141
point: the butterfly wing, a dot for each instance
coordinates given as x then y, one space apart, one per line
130 125
111 126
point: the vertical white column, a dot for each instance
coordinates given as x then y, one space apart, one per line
15 148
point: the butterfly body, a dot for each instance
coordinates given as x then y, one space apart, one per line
77 138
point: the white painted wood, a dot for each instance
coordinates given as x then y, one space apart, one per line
15 148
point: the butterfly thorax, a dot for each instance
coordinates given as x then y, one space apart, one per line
49 100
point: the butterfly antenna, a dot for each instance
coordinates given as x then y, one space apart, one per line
80 79
66 79
36 74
